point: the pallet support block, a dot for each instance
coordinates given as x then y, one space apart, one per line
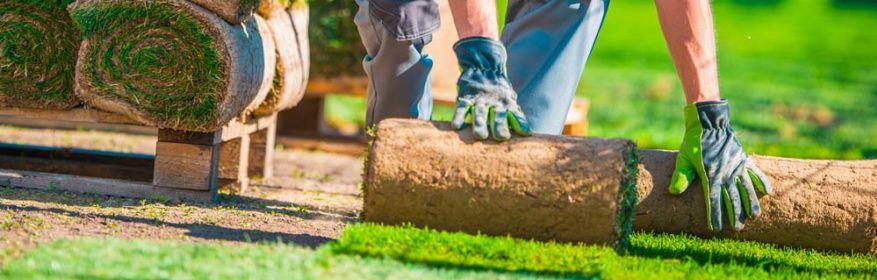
233 161
185 160
261 156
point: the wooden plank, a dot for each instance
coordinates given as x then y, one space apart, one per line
101 186
81 114
352 147
577 118
304 120
188 137
69 125
185 166
80 162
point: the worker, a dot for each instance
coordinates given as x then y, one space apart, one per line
525 80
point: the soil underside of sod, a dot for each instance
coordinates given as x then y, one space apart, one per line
313 200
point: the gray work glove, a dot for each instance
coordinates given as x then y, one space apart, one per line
711 152
485 91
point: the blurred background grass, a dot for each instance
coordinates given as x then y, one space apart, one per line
801 76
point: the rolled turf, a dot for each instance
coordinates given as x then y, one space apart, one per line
38 47
170 63
819 204
288 22
232 11
560 188
429 175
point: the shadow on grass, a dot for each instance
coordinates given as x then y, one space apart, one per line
468 267
198 230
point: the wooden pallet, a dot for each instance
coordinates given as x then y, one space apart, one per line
186 165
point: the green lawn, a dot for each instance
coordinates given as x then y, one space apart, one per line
800 75
376 252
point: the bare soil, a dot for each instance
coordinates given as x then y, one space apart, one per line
309 201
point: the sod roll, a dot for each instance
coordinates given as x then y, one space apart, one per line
562 188
233 11
38 47
268 7
541 187
820 204
288 23
170 63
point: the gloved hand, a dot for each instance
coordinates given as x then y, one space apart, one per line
484 90
711 152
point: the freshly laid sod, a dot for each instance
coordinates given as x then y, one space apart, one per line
650 256
124 259
369 251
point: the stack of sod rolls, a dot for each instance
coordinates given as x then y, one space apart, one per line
38 47
170 63
288 22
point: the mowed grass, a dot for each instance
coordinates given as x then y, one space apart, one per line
378 252
110 258
799 75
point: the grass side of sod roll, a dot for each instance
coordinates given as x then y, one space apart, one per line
155 56
38 48
368 251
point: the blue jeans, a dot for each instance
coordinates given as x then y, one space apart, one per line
548 41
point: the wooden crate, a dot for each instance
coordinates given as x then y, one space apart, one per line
186 165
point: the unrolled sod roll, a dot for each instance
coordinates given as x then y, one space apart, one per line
233 11
171 63
820 204
288 22
569 189
541 187
38 47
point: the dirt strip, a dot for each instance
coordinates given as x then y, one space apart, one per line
309 202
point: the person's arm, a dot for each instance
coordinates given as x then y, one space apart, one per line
710 150
484 90
688 29
475 18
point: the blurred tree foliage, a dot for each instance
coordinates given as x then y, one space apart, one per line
336 49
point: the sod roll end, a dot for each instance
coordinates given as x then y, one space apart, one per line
38 48
820 204
431 176
289 26
232 11
170 63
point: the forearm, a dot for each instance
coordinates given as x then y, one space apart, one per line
688 30
475 18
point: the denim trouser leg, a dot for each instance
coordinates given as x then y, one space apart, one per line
549 42
398 72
